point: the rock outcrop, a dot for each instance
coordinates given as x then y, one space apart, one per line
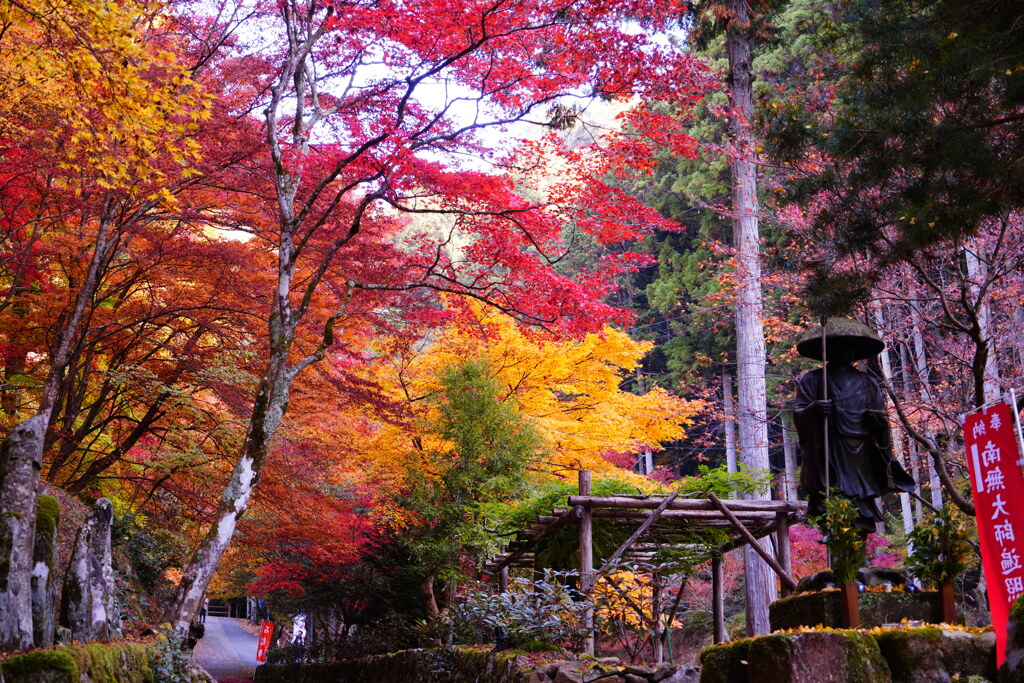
88 606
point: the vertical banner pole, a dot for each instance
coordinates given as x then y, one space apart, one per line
1016 423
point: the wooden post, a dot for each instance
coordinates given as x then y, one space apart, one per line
948 602
503 580
657 632
538 570
784 576
718 599
782 543
587 561
850 605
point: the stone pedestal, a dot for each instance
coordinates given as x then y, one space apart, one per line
876 609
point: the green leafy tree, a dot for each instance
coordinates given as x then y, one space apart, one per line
483 447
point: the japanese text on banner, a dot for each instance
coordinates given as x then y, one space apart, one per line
997 482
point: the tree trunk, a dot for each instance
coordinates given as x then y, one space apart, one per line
21 459
986 365
729 422
987 387
271 400
921 369
427 597
750 346
789 455
268 410
895 438
645 460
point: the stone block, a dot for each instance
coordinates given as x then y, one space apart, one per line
686 674
934 655
818 657
726 662
876 609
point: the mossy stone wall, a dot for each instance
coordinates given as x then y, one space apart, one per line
913 655
92 663
464 665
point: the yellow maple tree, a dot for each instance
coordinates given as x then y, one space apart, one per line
97 87
570 390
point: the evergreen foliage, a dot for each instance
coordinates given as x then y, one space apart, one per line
846 542
482 457
942 550
923 139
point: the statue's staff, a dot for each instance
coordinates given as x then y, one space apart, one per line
824 397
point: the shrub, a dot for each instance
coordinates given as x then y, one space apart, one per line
845 540
941 547
547 612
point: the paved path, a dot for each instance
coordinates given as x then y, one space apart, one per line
226 651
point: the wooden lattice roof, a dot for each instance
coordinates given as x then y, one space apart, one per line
759 517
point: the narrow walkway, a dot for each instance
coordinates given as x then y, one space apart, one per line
227 651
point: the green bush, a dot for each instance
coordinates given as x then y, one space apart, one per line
547 612
150 550
169 661
846 542
942 550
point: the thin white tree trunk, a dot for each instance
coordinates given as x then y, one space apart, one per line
921 369
645 460
751 410
915 464
896 436
729 423
913 453
977 273
789 455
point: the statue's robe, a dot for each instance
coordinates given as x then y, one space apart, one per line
861 465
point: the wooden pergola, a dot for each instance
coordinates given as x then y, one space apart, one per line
657 519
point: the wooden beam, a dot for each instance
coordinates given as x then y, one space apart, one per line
718 599
651 519
687 503
621 513
782 543
518 549
786 579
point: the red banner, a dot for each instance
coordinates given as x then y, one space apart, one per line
998 485
266 633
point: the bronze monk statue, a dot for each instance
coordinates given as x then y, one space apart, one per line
842 406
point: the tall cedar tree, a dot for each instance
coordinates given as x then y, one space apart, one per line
751 408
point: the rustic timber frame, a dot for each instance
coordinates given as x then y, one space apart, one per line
740 522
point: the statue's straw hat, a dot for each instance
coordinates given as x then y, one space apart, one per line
846 338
